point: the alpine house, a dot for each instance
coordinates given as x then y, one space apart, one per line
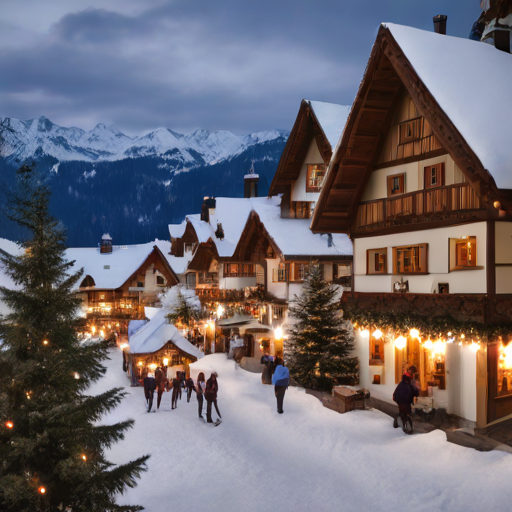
421 181
251 255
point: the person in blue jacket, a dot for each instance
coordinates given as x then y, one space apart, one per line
281 381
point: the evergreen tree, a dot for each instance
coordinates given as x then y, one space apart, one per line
52 450
184 306
318 349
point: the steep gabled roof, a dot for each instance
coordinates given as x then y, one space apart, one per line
460 86
322 121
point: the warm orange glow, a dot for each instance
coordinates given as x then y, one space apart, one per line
42 490
124 345
45 342
428 344
400 343
414 333
9 424
506 355
93 329
377 334
139 363
166 361
364 332
84 457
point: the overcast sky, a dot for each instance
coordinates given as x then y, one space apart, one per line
238 65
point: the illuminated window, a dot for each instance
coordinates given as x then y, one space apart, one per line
410 260
315 178
377 261
239 270
396 184
463 253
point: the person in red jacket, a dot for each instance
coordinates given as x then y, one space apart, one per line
404 397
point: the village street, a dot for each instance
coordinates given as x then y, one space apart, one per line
308 459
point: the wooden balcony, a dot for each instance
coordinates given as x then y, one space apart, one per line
417 206
219 294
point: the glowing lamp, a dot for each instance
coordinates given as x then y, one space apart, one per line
93 329
439 347
400 343
76 375
42 490
414 333
124 345
153 366
84 457
475 347
9 424
45 342
462 336
449 334
428 344
365 332
278 333
102 334
139 363
497 205
377 334
166 361
220 311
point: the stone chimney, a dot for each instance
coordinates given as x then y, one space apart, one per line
208 208
106 244
440 23
251 184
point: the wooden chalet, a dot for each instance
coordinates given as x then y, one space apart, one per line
421 182
118 281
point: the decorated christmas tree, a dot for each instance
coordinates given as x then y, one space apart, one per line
318 351
52 448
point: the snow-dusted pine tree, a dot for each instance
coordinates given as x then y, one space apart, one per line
184 305
52 449
320 342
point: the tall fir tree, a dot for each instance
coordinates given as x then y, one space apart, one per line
320 342
52 449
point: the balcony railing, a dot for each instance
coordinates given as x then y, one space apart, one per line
449 199
220 294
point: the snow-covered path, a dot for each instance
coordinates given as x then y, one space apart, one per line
307 459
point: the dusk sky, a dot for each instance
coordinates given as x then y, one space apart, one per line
231 65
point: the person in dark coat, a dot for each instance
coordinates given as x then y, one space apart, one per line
281 381
161 384
183 381
404 396
266 374
176 389
149 390
210 394
200 388
190 388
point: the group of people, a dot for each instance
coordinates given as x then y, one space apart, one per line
203 388
276 373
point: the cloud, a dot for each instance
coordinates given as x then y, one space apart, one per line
240 66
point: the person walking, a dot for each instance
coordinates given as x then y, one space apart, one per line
176 389
266 374
281 381
161 385
200 387
190 388
183 381
149 390
210 393
404 396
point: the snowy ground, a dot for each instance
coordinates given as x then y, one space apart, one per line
307 459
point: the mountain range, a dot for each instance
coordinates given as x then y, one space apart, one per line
133 187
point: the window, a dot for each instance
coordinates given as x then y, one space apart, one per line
410 130
301 209
189 247
208 277
342 275
280 274
102 297
140 284
239 270
315 178
298 271
278 312
396 184
463 253
434 175
376 351
377 261
410 259
160 281
191 280
176 360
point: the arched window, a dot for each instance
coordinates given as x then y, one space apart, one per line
88 282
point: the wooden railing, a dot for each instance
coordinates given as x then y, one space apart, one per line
220 294
451 198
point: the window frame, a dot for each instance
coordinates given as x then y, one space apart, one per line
440 175
310 169
376 361
380 250
242 270
472 242
422 258
389 181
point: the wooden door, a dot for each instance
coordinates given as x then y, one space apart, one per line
499 404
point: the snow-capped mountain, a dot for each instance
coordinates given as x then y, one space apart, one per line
35 138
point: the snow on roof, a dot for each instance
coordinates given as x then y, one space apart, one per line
111 270
106 236
332 119
251 175
156 333
471 82
10 247
292 236
177 230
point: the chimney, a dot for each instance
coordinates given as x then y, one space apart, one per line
208 208
251 184
440 23
106 244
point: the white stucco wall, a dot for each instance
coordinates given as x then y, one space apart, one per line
236 283
458 398
377 187
460 281
299 187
